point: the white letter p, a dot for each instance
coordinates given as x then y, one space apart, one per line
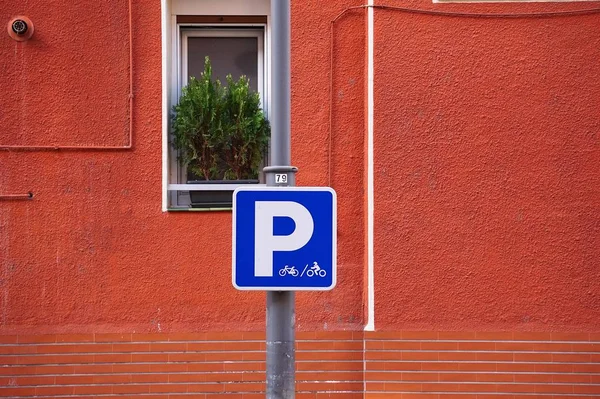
266 243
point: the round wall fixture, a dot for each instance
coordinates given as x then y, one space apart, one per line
20 28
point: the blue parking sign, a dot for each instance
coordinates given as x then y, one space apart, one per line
284 238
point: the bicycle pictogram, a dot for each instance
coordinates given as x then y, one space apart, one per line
291 270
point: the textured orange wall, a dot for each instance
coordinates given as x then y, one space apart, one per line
487 183
486 157
93 251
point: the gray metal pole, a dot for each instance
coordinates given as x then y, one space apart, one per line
280 83
281 312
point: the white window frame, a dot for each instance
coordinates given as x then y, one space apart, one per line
179 197
172 72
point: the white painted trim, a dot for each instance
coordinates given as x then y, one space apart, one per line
370 326
209 187
166 66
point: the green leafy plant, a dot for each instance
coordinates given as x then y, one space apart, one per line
220 131
246 130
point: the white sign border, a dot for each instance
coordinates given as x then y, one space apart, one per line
334 238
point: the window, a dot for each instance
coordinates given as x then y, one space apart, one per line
236 45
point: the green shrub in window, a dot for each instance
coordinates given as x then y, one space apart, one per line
220 131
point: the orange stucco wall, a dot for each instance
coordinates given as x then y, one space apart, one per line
487 186
486 174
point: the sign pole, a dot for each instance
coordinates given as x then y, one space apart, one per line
281 312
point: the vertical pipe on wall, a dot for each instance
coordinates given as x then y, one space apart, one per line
370 326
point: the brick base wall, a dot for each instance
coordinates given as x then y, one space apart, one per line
348 365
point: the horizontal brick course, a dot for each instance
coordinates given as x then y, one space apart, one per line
405 364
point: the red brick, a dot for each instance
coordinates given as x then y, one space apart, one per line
51 391
382 335
111 379
383 355
495 356
494 336
7 370
477 346
120 347
531 378
16 391
403 387
113 358
150 357
204 346
457 377
186 357
420 335
439 346
439 387
346 355
241 346
169 368
168 388
131 368
150 378
553 368
186 336
246 366
57 359
400 345
456 335
495 377
18 349
411 377
554 388
314 345
585 368
150 337
572 358
74 348
92 390
74 379
34 380
224 336
36 339
440 366
75 338
422 356
131 389
587 389
208 388
305 335
477 366
552 347
571 378
533 357
8 339
334 335
515 346
112 337
457 356
54 369
531 336
478 387
557 336
168 346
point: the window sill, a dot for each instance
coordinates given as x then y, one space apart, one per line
183 209
207 187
